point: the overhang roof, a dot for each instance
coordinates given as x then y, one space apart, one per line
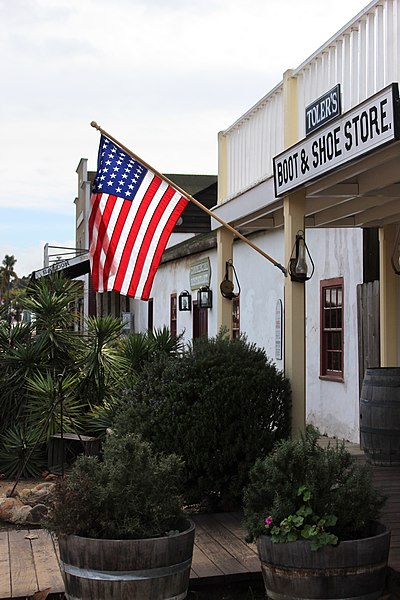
363 193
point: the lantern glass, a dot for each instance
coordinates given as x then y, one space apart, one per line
204 297
185 301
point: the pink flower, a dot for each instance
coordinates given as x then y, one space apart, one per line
268 521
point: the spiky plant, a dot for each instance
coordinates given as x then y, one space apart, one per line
21 453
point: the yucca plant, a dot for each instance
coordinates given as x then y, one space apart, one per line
101 418
103 367
44 408
135 348
161 341
21 453
52 299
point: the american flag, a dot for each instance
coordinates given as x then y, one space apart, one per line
133 212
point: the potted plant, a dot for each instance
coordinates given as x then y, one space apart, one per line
314 513
120 525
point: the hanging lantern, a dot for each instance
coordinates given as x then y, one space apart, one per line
300 260
204 297
185 301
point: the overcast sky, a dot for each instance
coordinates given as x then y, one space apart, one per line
162 76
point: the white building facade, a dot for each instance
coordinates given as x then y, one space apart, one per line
331 129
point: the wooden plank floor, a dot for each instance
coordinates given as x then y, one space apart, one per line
29 558
28 564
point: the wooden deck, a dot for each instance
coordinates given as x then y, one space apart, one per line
29 558
28 564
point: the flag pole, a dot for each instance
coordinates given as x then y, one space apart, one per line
193 200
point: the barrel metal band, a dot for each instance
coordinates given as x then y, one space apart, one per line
178 597
126 575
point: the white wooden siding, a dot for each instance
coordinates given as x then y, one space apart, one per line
363 57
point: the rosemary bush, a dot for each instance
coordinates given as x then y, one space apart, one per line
133 493
337 485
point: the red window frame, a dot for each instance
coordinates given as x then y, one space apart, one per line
332 329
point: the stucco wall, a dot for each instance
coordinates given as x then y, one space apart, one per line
334 406
173 277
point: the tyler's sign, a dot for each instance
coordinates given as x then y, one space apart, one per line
371 124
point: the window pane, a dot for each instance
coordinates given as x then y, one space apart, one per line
340 296
327 320
333 296
337 341
327 297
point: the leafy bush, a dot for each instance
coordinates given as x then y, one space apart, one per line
337 485
219 405
134 493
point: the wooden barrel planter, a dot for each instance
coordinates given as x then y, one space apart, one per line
380 416
353 569
147 569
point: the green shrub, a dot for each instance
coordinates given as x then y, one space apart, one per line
336 483
134 493
220 405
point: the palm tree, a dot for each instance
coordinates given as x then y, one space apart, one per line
8 273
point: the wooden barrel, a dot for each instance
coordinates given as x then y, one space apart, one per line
353 569
380 415
148 569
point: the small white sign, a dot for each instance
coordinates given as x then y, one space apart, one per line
59 266
368 126
278 330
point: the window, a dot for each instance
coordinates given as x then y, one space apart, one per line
332 329
172 319
235 318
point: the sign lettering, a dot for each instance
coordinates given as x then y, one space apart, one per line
371 124
323 110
